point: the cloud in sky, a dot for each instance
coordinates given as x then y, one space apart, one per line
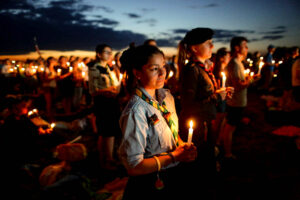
72 25
211 5
58 27
132 15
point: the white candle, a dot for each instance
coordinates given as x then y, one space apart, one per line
70 69
261 63
190 136
223 79
59 72
83 74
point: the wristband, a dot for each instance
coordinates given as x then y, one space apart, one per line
158 163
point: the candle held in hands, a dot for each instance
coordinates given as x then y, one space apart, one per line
190 136
223 79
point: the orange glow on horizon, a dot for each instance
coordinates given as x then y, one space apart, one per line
168 51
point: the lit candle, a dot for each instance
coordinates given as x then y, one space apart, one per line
70 69
190 133
261 64
83 74
223 79
246 72
59 72
251 74
171 74
52 125
30 113
33 71
186 61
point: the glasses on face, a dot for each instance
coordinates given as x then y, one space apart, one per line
107 52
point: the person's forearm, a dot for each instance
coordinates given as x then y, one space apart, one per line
150 165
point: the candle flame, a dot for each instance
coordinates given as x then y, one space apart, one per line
171 74
30 113
191 124
261 64
52 125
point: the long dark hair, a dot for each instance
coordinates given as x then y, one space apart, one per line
217 67
136 58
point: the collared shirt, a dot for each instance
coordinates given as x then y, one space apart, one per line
142 137
99 77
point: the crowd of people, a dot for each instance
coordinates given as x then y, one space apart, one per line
140 104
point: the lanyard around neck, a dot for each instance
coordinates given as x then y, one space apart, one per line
163 109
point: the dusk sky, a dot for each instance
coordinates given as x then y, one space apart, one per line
67 25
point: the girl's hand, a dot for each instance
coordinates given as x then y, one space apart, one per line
222 92
230 91
185 153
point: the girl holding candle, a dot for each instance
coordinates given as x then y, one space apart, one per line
65 85
150 147
49 85
221 62
199 95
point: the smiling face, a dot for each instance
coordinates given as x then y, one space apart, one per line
152 75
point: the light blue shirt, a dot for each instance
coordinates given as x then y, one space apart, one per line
141 137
